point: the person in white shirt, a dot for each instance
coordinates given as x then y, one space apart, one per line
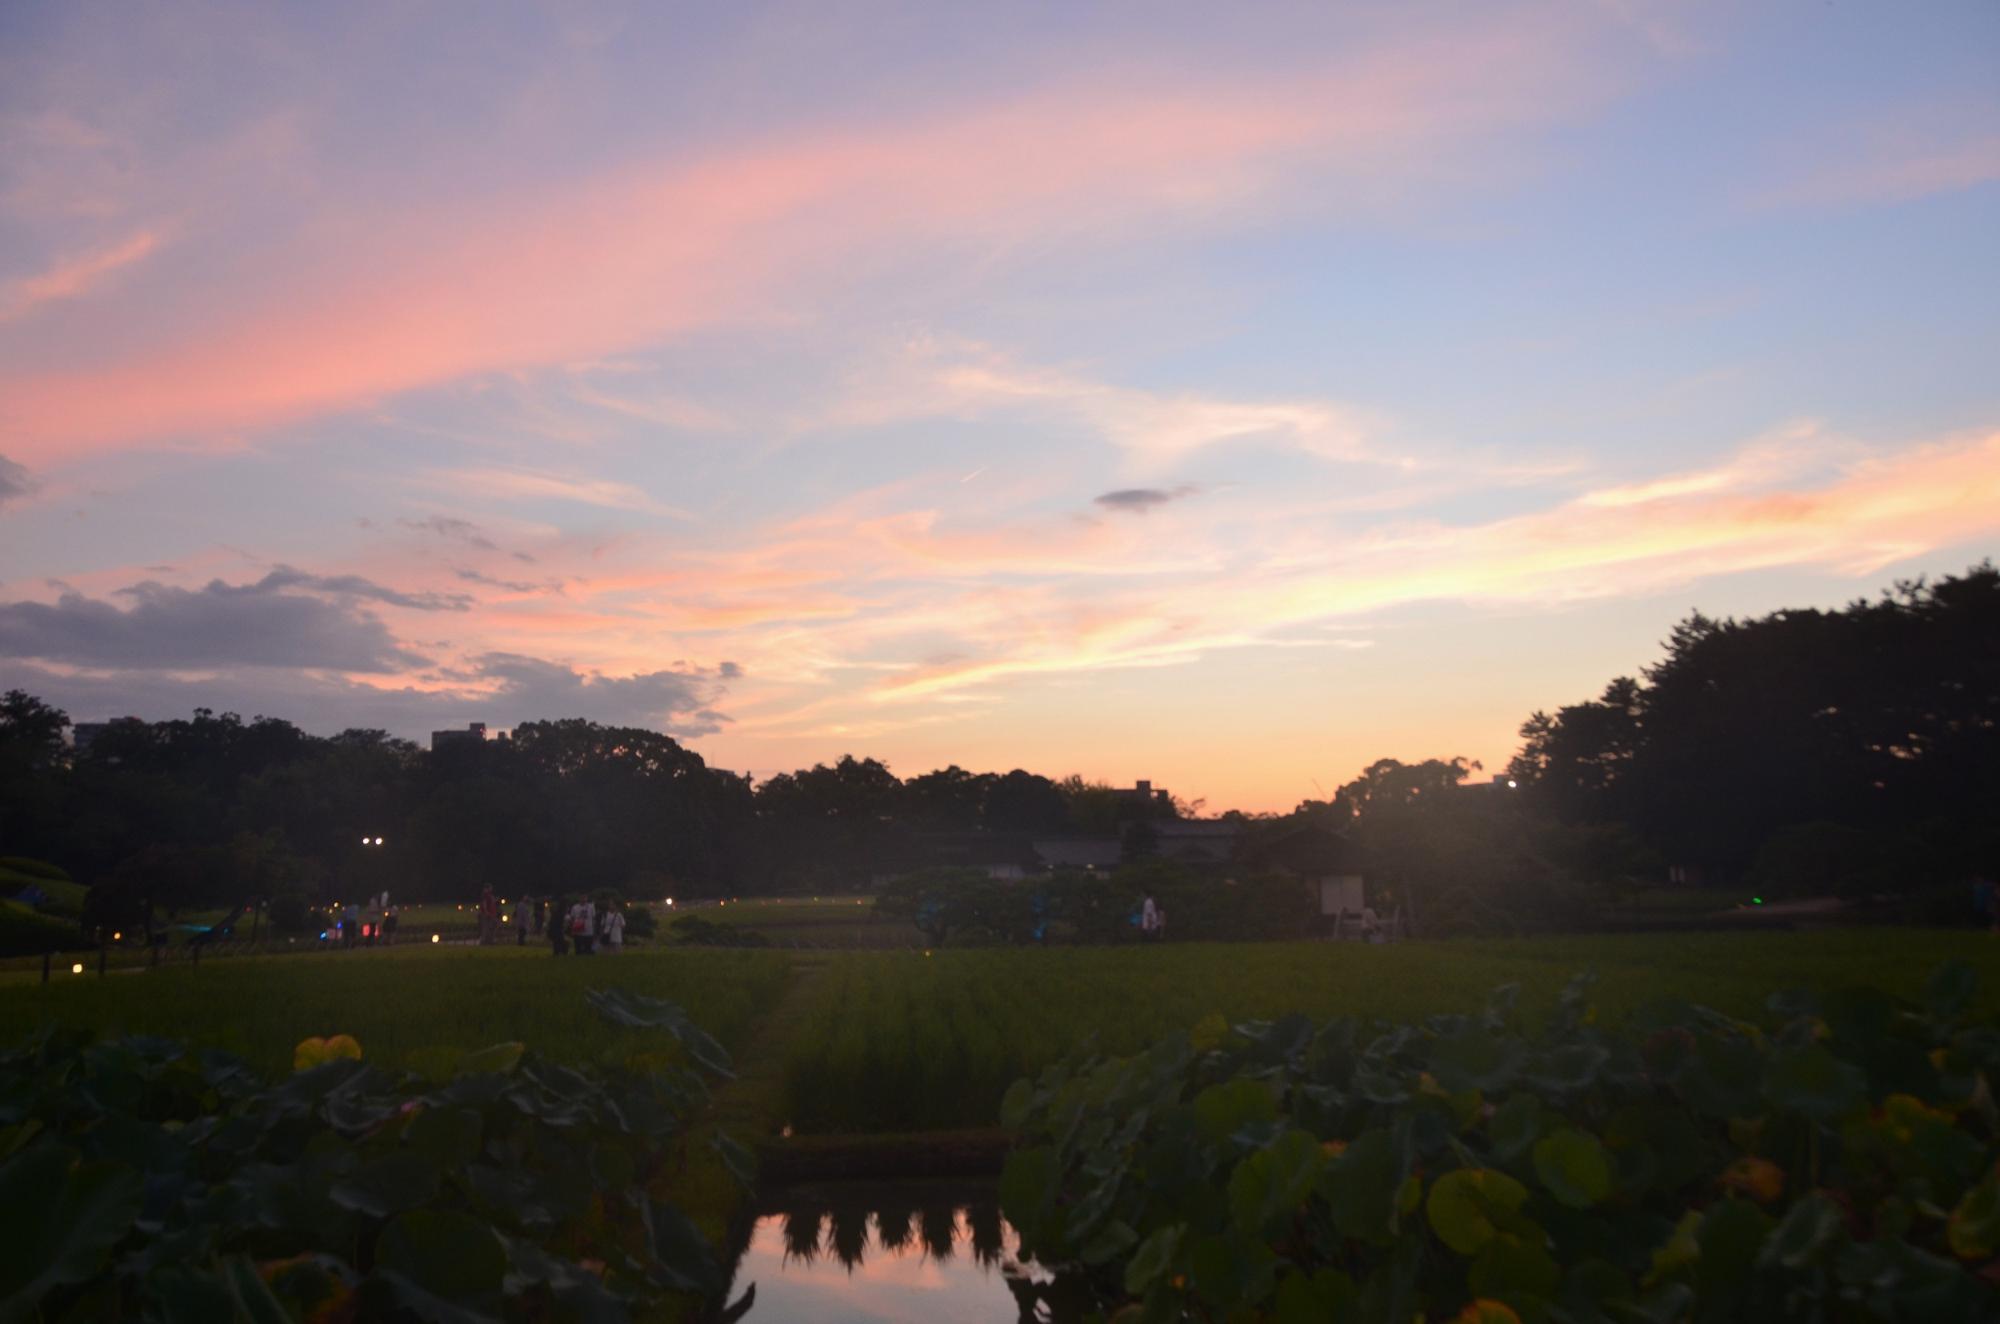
583 926
1149 919
613 925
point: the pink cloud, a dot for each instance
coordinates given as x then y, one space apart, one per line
76 276
378 304
1901 157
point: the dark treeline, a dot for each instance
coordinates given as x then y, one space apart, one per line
1842 751
1808 751
215 810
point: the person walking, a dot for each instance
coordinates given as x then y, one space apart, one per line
350 924
613 925
583 926
541 914
521 923
1149 920
390 918
558 939
489 917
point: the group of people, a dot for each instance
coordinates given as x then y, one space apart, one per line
365 924
581 925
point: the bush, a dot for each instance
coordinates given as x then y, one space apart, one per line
291 913
21 864
1840 1162
964 907
25 931
59 895
1819 859
639 922
145 1180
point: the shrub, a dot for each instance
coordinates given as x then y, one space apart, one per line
291 913
639 922
24 931
21 864
1839 1162
147 1180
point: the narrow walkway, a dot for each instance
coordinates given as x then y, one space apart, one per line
749 1106
746 1109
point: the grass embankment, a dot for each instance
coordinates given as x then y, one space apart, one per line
405 1001
913 1042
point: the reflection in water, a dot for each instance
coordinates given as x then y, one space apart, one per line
905 1252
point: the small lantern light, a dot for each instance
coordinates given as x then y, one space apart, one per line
434 937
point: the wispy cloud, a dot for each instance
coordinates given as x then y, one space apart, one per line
1604 543
1896 158
541 485
75 276
679 242
1158 428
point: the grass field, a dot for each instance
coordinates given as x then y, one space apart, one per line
401 1002
840 923
892 1041
908 1041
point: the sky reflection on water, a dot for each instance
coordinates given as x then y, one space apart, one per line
880 1260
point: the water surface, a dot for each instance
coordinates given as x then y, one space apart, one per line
910 1253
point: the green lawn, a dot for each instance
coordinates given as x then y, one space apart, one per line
909 1041
830 922
890 1041
400 1002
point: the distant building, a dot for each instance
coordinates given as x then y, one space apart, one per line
1079 852
1141 800
473 733
1194 840
1324 859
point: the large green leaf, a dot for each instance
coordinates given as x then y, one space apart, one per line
1575 1167
1974 1226
1731 1235
451 1255
1949 990
1028 1190
448 1137
388 1185
1154 1257
1516 1270
1477 1058
59 1217
1224 1109
1362 1186
1469 1207
681 1254
1274 1181
1802 1236
1813 1081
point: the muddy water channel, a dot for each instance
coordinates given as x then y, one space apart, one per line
912 1252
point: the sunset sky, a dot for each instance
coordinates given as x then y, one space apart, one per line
1227 395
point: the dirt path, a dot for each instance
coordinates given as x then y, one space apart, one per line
749 1106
